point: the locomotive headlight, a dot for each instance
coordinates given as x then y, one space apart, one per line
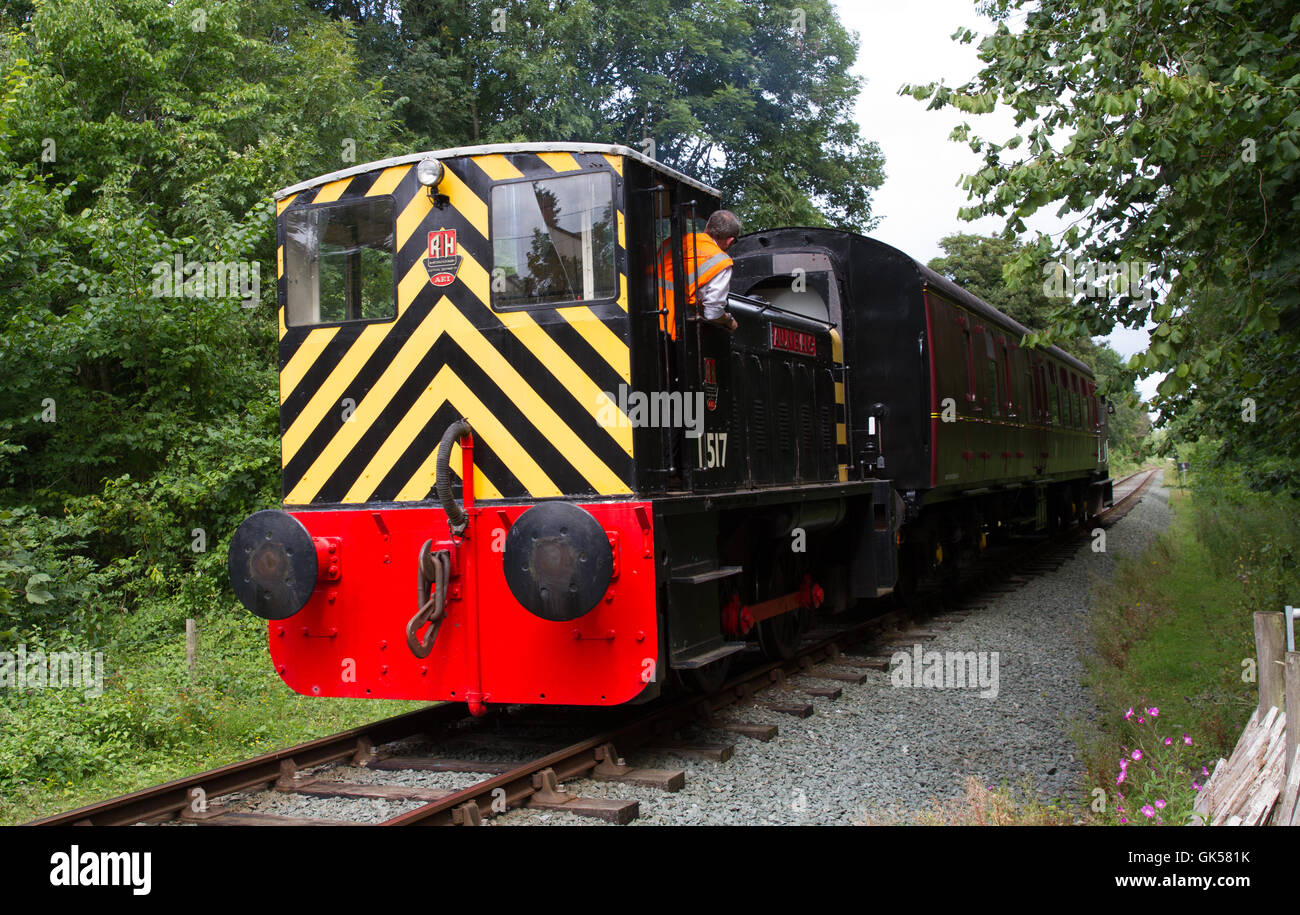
429 172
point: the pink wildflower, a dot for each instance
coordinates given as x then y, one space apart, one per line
1187 740
1153 711
1128 714
1148 811
1168 741
1160 804
1137 754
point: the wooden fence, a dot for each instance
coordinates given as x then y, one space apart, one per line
1258 784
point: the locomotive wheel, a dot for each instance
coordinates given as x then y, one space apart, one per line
779 637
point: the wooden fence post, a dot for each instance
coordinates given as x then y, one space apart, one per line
1269 649
191 644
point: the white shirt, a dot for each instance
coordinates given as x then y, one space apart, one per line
712 296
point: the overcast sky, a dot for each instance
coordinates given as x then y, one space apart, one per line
910 42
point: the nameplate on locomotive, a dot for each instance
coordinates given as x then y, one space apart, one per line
443 261
789 340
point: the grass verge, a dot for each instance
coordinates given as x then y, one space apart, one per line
1171 638
155 721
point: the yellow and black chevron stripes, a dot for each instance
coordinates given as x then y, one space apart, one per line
841 408
364 404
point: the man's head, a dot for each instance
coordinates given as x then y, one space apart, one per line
723 227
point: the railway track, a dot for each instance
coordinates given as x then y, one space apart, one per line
1128 491
842 654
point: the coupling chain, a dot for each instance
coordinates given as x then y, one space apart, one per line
434 571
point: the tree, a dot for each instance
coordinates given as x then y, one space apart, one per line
977 262
1171 132
754 98
134 135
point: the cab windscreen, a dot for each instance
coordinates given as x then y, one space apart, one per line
338 262
553 241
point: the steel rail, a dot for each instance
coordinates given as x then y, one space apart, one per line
1129 499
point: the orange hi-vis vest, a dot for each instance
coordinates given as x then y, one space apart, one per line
702 260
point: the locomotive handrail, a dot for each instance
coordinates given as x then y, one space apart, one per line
765 306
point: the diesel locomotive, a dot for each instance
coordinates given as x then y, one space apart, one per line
504 482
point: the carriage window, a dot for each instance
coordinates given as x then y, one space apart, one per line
553 241
338 263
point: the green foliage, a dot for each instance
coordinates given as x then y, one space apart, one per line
134 137
978 263
45 576
1171 135
1251 538
193 112
750 97
1169 631
155 720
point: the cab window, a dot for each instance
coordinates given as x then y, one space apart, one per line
553 241
338 262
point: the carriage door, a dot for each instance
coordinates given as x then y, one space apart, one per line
1052 418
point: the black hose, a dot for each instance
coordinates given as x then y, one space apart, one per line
456 518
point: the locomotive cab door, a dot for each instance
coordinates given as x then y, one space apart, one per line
709 454
665 218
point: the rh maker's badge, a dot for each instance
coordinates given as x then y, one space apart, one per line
443 261
710 384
